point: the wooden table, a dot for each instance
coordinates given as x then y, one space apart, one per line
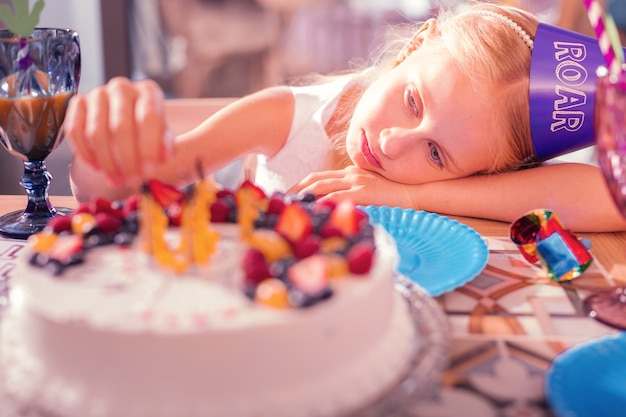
506 326
608 248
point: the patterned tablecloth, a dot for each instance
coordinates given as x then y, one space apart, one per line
507 325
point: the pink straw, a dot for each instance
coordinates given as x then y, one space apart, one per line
596 18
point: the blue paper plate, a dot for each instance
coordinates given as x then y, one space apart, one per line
589 379
436 252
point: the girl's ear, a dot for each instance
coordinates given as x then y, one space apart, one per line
418 38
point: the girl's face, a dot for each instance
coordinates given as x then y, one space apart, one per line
422 121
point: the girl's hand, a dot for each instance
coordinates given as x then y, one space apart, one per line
120 129
361 186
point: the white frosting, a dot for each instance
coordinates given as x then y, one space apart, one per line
118 336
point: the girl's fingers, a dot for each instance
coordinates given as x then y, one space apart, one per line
122 97
74 129
97 133
152 134
318 183
120 129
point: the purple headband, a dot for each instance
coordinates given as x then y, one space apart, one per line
562 91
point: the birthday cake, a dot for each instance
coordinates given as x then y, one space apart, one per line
145 308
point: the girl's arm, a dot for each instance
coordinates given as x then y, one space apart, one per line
577 193
120 137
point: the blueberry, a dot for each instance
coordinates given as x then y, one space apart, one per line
117 205
130 223
54 267
249 291
93 240
38 259
308 198
266 221
123 239
279 268
232 216
76 259
300 299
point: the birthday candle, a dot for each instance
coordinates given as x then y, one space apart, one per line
613 54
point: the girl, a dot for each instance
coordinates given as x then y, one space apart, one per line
443 126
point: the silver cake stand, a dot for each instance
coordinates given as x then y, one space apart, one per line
422 377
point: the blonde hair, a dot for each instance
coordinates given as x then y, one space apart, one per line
494 57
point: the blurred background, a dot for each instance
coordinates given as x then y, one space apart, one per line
228 48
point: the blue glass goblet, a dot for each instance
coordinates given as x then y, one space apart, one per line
38 76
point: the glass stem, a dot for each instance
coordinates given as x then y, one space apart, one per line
36 180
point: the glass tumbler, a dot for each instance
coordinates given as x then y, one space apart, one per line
610 130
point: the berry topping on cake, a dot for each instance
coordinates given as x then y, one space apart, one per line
295 246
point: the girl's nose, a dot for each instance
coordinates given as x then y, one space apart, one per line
396 141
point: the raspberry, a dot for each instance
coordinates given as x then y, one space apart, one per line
360 258
224 193
255 268
276 205
60 224
307 246
220 211
131 204
83 208
107 222
102 205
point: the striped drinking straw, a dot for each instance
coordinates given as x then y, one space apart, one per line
605 30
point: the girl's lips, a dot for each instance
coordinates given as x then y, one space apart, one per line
369 157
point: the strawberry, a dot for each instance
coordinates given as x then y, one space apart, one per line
256 193
65 247
294 223
163 193
347 218
324 205
309 275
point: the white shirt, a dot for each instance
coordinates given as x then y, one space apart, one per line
308 147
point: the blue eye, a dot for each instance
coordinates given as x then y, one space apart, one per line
433 153
410 102
412 105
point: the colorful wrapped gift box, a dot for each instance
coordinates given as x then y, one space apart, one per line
541 238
